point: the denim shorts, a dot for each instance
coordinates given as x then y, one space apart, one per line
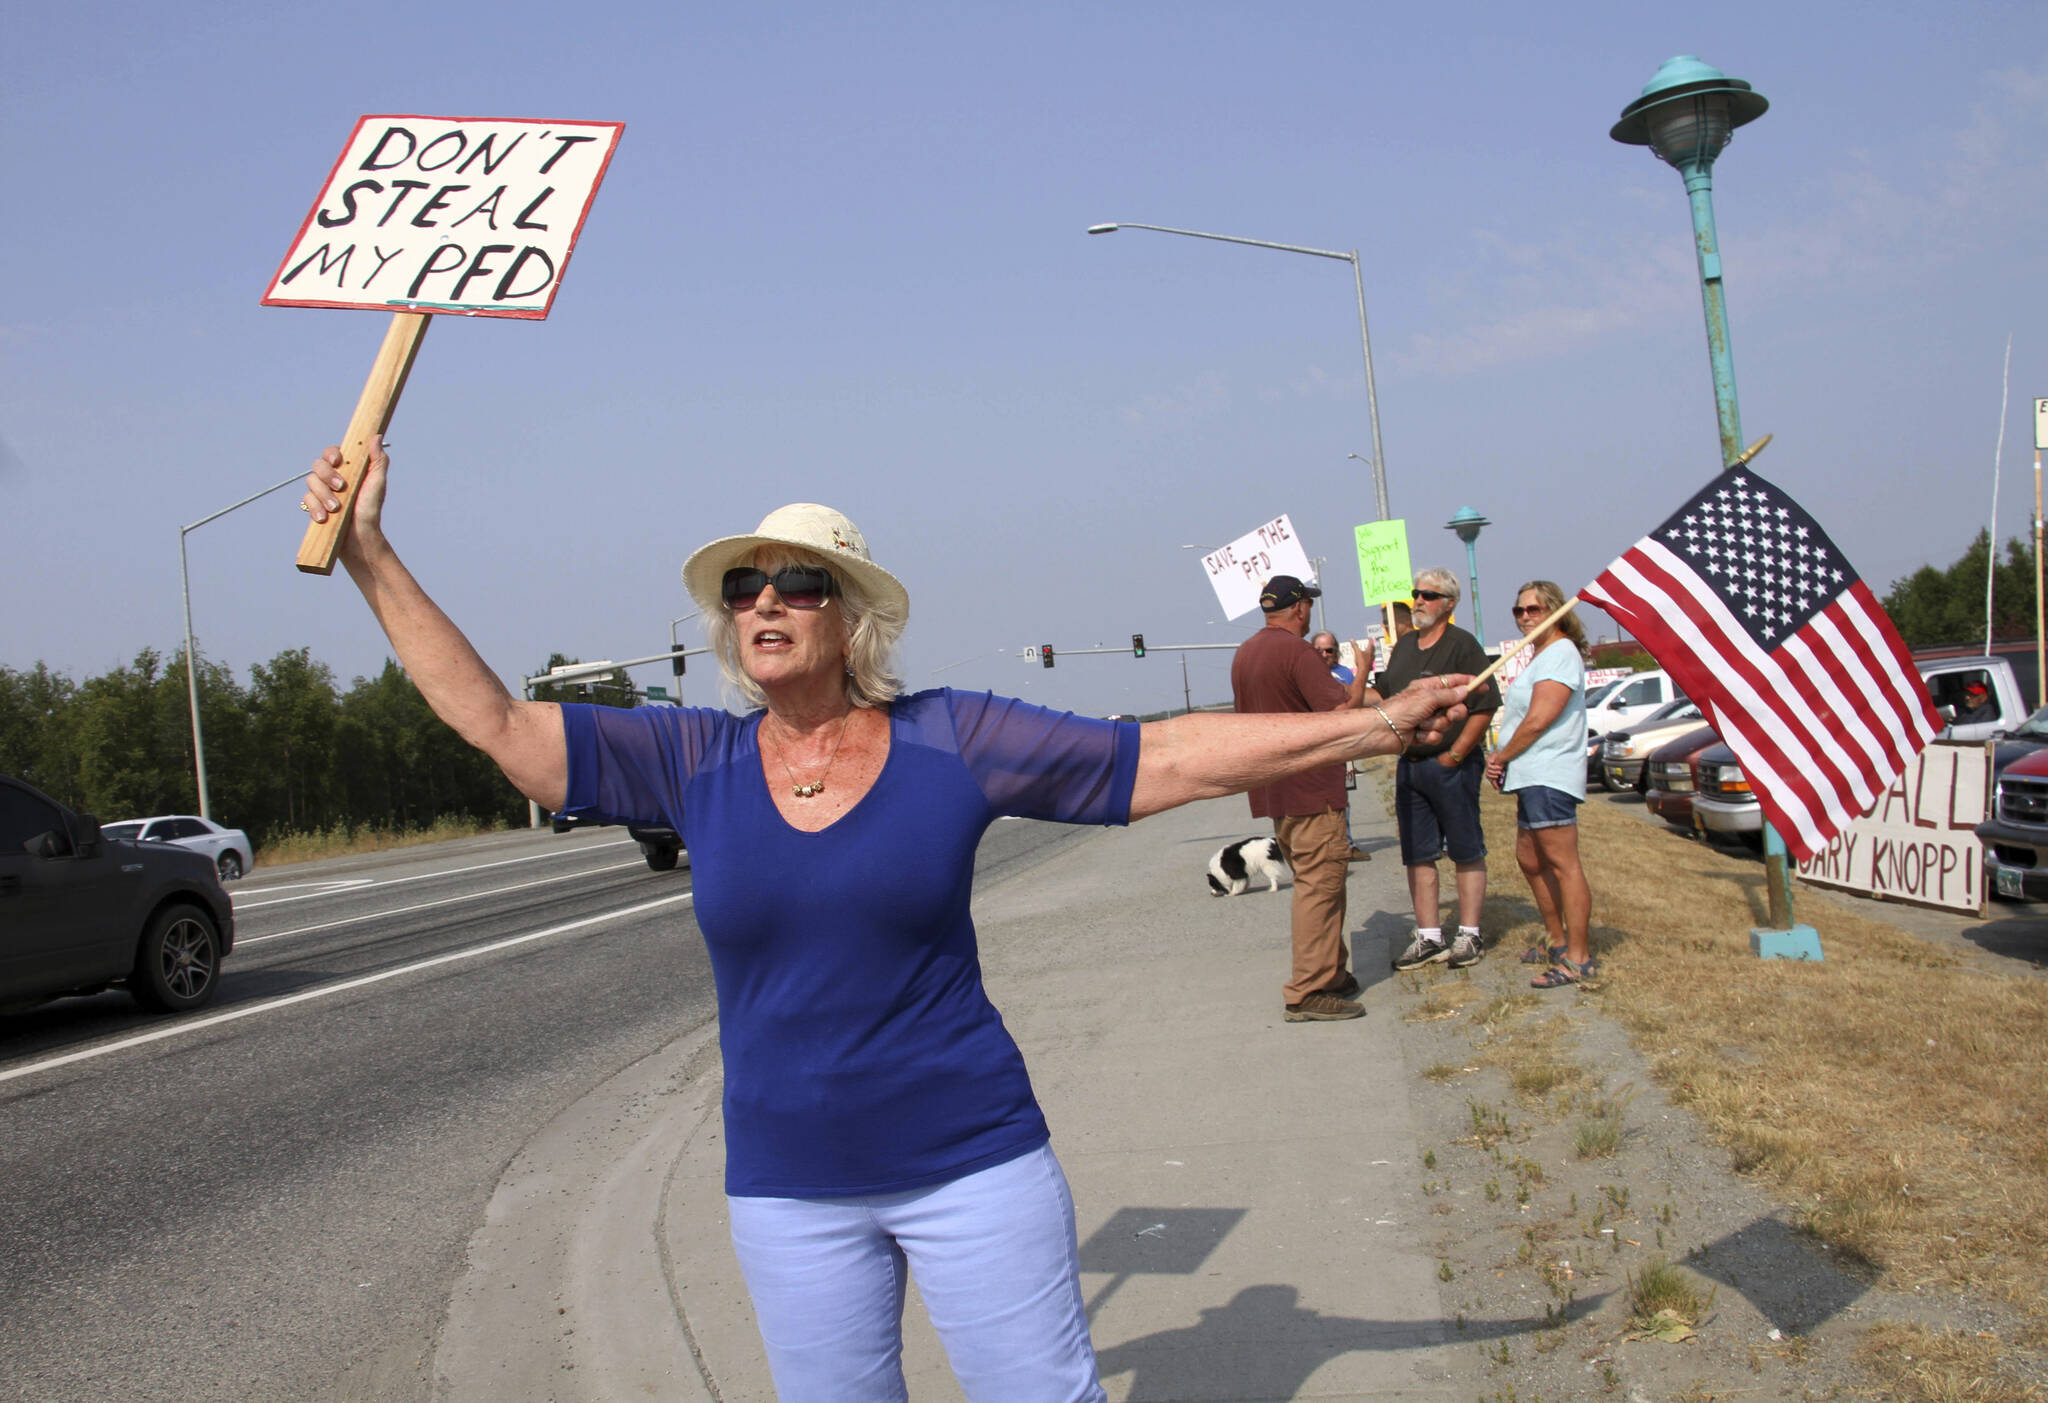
1438 809
1540 806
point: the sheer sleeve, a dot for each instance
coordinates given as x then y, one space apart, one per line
1037 763
631 766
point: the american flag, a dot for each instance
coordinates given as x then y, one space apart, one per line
1745 601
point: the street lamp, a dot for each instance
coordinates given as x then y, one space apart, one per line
1687 114
1372 401
1466 522
191 660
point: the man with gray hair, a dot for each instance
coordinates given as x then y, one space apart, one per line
1436 787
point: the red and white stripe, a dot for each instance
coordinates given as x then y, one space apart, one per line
1822 724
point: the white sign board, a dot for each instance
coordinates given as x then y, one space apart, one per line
2040 424
1919 844
1238 571
469 215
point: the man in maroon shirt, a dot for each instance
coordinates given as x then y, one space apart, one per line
1276 670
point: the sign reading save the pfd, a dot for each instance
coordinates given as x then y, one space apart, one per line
470 215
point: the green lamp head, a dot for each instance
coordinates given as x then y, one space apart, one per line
1688 111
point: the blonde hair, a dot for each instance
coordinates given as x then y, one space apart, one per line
1552 599
873 628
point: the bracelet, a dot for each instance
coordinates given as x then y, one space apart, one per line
1390 726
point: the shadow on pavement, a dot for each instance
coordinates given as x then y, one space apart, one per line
1265 1344
1780 1272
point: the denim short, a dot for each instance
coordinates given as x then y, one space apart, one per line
1438 809
1540 806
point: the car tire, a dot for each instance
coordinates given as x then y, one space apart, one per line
661 859
177 965
230 865
1607 781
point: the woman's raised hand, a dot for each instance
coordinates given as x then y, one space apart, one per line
325 483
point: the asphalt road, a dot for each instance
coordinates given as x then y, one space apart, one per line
271 1198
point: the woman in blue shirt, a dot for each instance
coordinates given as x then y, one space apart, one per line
1543 764
878 1116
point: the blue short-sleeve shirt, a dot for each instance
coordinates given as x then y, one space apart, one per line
1558 758
861 1054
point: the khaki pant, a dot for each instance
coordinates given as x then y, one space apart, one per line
1316 848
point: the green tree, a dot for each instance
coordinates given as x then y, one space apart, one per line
294 715
133 740
39 731
1934 605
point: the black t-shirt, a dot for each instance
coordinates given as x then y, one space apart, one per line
1455 652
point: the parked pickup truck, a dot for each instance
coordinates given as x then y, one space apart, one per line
1978 696
2015 837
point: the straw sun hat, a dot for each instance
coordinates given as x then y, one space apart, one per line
805 524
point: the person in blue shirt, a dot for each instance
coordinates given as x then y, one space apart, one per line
1542 763
878 1117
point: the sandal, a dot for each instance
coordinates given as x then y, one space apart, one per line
1564 972
1540 954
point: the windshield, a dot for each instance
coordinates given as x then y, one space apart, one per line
1603 689
120 830
2035 726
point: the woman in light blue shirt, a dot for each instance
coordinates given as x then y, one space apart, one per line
1543 764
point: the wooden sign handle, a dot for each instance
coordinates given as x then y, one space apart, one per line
372 416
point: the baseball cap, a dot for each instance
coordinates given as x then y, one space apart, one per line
1284 590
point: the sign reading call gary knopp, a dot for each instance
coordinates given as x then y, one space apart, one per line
1919 844
470 215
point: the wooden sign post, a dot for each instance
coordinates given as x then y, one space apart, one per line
466 216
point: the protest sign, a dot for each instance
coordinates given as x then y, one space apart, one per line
1238 571
1919 844
1383 573
422 215
447 214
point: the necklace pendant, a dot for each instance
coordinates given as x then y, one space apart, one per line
805 791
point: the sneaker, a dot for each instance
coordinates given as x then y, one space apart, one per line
1344 988
1359 854
1465 951
1323 1007
1421 952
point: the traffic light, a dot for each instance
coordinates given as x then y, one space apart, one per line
676 663
1045 654
1137 645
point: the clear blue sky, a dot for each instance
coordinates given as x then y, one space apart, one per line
840 257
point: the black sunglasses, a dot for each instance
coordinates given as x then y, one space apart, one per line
1430 595
1521 609
797 586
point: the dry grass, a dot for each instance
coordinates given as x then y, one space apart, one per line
291 847
1914 1365
1891 1091
1444 1001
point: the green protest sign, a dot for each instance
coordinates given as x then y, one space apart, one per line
1383 570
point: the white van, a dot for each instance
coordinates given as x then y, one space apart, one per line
1635 698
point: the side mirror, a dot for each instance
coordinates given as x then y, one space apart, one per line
86 833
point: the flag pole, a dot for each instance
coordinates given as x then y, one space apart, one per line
1526 639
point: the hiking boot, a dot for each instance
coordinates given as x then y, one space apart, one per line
1322 1007
1465 951
1422 951
1359 854
1344 988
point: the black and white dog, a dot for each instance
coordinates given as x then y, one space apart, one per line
1235 866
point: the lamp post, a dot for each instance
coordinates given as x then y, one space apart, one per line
1466 522
1687 113
1372 401
191 660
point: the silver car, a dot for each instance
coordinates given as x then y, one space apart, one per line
228 847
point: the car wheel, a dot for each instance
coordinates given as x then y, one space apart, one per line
178 963
230 865
660 859
1607 781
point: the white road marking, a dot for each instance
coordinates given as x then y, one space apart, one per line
425 876
284 1001
240 941
331 885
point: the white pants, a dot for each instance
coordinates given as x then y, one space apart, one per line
996 1262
